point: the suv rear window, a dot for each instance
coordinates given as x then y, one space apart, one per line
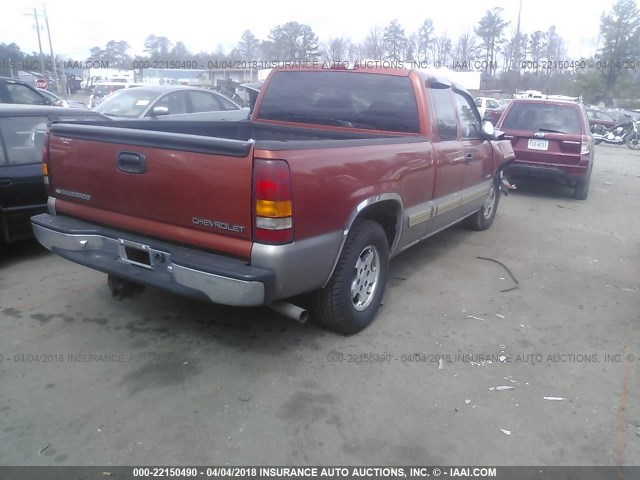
342 99
543 116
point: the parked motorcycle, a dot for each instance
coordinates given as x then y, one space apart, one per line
627 132
633 138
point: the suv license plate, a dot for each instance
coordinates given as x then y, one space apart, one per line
538 144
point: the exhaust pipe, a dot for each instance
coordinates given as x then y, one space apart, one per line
290 310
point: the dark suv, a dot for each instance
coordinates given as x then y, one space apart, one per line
22 190
551 139
16 91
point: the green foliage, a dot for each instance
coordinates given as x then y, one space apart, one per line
115 52
292 41
491 29
620 30
394 41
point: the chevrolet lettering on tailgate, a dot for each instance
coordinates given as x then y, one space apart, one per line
215 224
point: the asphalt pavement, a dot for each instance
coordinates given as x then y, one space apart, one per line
454 370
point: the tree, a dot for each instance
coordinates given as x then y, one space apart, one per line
248 46
536 45
294 41
425 39
412 48
373 45
10 54
515 51
394 41
180 52
490 29
157 47
620 30
336 50
441 49
465 49
115 53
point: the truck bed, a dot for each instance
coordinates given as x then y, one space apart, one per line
267 136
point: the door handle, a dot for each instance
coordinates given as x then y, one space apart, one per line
468 158
130 162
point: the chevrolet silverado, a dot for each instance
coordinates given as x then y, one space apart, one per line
335 172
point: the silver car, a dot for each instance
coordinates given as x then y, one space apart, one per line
171 103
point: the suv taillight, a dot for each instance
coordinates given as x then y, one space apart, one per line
585 145
273 202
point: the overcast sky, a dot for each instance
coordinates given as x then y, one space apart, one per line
76 26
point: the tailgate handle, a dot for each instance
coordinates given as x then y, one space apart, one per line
129 162
468 158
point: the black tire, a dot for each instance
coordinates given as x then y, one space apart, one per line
633 142
335 307
483 218
581 190
598 141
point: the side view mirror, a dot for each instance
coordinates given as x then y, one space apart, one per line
488 130
159 111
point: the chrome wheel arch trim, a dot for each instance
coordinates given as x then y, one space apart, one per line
382 197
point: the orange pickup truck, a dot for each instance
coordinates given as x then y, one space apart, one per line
335 172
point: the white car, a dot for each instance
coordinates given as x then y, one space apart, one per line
171 103
486 102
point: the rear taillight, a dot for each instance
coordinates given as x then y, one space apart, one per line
45 159
272 202
585 144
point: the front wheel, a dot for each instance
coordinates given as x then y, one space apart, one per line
352 297
633 142
483 218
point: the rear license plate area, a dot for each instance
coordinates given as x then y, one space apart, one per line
538 144
135 253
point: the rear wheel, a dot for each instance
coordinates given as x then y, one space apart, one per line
483 218
352 297
581 191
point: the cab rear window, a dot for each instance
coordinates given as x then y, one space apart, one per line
342 99
542 116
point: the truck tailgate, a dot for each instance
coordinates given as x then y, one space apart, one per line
190 189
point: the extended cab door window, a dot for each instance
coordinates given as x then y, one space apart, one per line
477 152
469 118
448 151
446 121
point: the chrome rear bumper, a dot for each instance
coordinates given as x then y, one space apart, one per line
147 261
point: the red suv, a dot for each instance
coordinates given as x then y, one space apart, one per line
551 139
